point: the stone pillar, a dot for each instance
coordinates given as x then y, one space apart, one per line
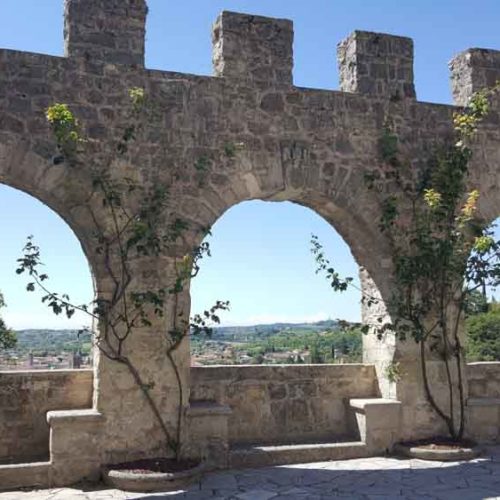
131 429
399 370
473 70
253 47
377 64
105 30
121 425
381 353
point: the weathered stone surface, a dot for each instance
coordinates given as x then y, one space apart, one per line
25 398
375 478
261 138
280 404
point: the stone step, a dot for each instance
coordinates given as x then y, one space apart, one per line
30 475
258 456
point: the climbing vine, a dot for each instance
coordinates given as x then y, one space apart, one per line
122 235
441 251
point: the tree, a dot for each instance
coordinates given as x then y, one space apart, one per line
475 302
483 336
123 234
315 354
7 336
442 252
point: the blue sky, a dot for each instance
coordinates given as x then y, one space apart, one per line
261 260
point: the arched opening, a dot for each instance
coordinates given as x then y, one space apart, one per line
36 374
50 339
482 314
282 310
295 365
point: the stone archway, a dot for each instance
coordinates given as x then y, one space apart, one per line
259 137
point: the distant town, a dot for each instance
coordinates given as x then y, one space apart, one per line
279 343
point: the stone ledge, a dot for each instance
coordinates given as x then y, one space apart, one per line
206 408
34 474
483 402
363 404
44 373
70 416
258 456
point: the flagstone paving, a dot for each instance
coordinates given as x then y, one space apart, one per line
368 478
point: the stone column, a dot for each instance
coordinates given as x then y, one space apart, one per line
131 427
121 425
399 370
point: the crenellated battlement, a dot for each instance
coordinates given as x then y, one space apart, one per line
253 47
472 70
106 30
377 64
260 49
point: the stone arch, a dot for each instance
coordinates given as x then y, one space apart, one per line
359 230
19 170
295 223
23 169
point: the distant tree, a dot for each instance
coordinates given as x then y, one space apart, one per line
475 302
483 336
316 357
7 336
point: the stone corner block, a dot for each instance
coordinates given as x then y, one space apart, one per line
378 422
208 434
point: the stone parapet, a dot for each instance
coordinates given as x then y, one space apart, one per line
26 397
285 403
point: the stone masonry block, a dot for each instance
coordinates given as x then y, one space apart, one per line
106 30
378 422
473 70
377 64
253 47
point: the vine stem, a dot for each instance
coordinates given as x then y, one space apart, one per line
146 392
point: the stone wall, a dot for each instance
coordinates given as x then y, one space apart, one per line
484 379
268 403
483 403
25 398
257 137
285 403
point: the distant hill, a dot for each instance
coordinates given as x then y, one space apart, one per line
265 330
41 341
56 341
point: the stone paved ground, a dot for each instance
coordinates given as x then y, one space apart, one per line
370 478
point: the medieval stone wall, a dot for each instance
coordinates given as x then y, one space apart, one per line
284 404
260 137
484 379
269 404
26 397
